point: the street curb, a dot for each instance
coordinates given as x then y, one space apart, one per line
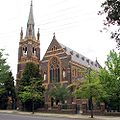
72 116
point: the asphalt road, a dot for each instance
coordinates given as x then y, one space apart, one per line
5 116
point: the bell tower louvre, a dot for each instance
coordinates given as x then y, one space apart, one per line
29 46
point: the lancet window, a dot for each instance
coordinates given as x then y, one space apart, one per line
24 51
34 51
54 70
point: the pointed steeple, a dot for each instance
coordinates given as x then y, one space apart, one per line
30 24
31 19
98 63
21 34
54 36
38 35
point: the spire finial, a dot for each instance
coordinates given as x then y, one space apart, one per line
21 33
54 36
31 2
96 59
38 35
21 28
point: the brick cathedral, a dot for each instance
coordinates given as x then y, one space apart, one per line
59 64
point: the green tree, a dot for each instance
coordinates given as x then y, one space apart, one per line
90 86
4 70
110 79
31 88
59 92
10 89
111 8
6 81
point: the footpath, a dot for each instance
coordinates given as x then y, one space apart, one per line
83 117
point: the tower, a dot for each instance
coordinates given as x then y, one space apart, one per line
29 46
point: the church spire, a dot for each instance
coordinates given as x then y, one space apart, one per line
30 24
31 19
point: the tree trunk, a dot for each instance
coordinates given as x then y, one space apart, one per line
33 107
24 106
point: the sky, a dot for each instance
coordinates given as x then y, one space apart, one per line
75 22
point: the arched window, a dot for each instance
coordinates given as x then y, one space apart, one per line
58 74
45 76
24 51
64 74
54 48
54 70
34 51
51 73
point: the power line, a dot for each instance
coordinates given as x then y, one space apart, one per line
62 12
58 3
61 26
62 19
59 16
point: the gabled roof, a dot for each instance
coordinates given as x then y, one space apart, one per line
80 59
75 56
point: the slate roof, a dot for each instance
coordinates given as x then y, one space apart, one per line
79 58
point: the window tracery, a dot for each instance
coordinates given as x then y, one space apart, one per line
54 70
